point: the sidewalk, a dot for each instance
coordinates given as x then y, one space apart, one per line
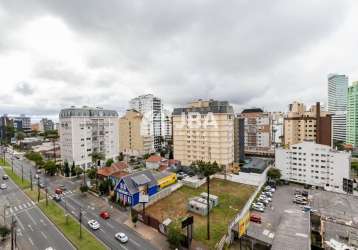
150 234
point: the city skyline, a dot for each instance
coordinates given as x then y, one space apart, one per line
52 57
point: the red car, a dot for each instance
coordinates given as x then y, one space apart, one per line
104 215
58 191
255 218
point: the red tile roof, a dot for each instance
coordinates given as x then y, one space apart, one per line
154 158
114 168
120 174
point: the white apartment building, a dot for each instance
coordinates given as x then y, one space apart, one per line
151 108
277 119
86 130
314 164
167 125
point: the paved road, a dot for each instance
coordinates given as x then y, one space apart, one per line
74 200
33 230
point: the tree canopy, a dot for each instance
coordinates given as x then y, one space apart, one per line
50 167
206 169
109 162
274 173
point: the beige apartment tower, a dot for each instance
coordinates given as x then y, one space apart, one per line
204 131
307 125
134 138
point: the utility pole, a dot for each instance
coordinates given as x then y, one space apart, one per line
31 178
12 162
66 215
46 189
80 222
38 189
13 233
22 173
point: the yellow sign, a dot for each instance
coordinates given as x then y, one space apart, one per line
244 223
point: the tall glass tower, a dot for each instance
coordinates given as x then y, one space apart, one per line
337 105
352 115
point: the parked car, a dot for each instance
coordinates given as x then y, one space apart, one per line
121 237
272 190
300 201
5 177
264 201
267 188
257 208
305 193
62 187
268 194
41 185
3 186
38 171
57 197
255 218
37 176
104 215
93 224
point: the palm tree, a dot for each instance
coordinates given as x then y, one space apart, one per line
206 169
97 156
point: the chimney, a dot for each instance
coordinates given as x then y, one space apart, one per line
318 117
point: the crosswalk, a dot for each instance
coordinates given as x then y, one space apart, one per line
63 194
19 208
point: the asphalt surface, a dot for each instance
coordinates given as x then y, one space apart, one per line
73 201
33 229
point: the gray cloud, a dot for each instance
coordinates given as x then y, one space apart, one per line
24 88
251 53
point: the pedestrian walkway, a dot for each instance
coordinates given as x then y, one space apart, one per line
63 194
150 234
18 208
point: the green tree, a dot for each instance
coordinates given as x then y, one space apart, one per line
66 169
134 217
91 173
120 157
78 171
109 162
50 167
84 188
274 173
35 157
104 186
206 169
9 132
354 166
73 169
20 136
174 235
96 157
4 231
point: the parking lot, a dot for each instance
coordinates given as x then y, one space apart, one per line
284 224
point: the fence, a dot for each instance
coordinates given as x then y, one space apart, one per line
146 219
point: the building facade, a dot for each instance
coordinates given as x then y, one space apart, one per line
314 164
5 123
86 130
301 124
167 132
204 131
46 125
277 120
337 105
257 131
352 115
135 137
151 108
22 123
239 139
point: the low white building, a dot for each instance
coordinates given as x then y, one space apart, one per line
314 164
86 130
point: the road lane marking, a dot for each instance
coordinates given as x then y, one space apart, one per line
11 210
15 208
135 243
32 243
24 205
44 235
42 221
33 203
29 204
31 218
18 220
30 227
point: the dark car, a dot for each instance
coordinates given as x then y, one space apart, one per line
5 177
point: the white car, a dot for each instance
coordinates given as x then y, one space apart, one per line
257 207
93 224
3 186
272 190
121 237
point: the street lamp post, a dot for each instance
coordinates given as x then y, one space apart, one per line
31 178
5 207
80 222
46 189
38 189
12 162
22 173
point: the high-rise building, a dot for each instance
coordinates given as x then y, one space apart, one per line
257 131
22 123
167 126
46 125
152 110
337 105
277 119
301 124
5 122
352 115
134 137
204 131
84 131
314 164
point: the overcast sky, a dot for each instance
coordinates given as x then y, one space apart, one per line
56 53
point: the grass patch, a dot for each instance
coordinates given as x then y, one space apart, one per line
70 229
232 197
17 179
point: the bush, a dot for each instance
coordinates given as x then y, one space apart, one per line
109 162
4 231
84 188
174 235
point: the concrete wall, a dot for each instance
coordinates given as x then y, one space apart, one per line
246 178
